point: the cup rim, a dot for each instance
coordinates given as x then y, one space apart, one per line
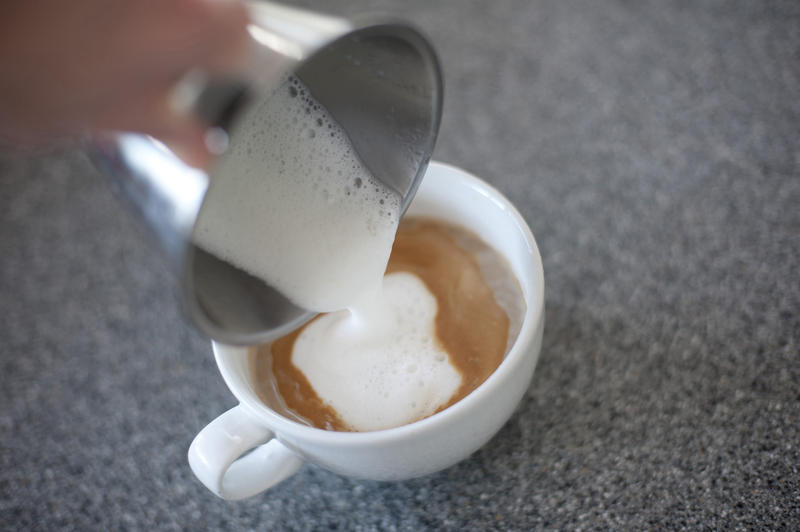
531 322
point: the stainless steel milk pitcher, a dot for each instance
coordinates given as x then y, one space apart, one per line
380 80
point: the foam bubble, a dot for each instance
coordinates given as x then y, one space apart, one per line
352 360
284 204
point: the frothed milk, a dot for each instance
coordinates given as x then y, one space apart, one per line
395 366
292 204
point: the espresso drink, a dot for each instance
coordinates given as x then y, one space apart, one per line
291 203
448 311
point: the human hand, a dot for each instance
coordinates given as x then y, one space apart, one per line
69 69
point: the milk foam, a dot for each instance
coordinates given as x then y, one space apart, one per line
292 204
384 368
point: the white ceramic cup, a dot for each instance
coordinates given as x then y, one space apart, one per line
218 455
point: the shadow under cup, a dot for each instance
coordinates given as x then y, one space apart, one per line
441 440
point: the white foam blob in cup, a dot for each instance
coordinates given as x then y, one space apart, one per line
380 370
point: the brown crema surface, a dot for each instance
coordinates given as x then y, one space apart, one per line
471 327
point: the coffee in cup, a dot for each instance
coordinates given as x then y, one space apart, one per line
449 309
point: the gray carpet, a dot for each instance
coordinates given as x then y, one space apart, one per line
654 148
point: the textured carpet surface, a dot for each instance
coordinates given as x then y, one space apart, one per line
654 148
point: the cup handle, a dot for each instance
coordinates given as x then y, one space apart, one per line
215 456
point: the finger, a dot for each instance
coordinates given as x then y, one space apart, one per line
191 149
226 49
202 34
144 109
